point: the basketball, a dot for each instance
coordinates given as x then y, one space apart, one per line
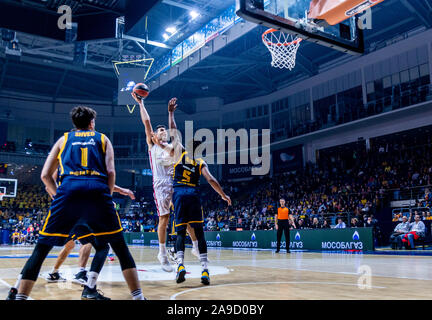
141 90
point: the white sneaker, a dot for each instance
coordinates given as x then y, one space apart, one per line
163 259
172 256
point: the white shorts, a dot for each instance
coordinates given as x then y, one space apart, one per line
163 192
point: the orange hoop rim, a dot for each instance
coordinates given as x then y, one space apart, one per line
296 41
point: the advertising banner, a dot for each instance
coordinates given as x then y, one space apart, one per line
358 239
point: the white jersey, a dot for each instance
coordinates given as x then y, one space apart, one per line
162 164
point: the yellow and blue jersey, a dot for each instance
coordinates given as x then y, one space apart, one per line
83 154
186 195
187 171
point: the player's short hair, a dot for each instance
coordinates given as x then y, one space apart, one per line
82 116
160 127
282 199
192 145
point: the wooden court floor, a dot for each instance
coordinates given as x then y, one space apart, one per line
242 274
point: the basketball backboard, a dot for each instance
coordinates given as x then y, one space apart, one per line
8 187
332 23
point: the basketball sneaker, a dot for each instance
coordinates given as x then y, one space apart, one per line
172 256
163 259
55 277
80 278
181 273
111 258
205 277
92 294
12 294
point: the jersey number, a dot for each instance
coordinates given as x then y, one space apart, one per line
84 157
186 176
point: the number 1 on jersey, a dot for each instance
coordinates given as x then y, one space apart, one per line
84 157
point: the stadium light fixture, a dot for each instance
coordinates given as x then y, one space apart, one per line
194 14
171 30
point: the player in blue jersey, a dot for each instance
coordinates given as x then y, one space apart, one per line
83 204
187 199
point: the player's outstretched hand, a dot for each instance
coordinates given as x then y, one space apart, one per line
172 105
139 100
227 199
130 194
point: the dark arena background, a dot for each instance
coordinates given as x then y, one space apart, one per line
325 104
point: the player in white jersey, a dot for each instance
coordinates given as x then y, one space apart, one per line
162 170
162 166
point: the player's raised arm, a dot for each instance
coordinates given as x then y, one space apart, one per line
110 166
145 120
177 147
172 106
215 184
50 167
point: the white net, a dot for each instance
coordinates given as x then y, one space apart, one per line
283 48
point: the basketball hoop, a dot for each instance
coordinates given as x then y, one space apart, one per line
283 48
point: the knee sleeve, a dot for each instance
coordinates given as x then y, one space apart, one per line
122 252
34 263
202 244
181 238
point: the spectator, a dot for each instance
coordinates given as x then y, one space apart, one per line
301 224
325 225
340 224
417 230
16 237
369 223
400 230
315 224
355 223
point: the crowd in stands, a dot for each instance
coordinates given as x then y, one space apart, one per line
23 234
23 214
344 189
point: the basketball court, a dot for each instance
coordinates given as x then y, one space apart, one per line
254 58
243 275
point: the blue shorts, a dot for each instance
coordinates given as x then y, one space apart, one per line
81 210
187 207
